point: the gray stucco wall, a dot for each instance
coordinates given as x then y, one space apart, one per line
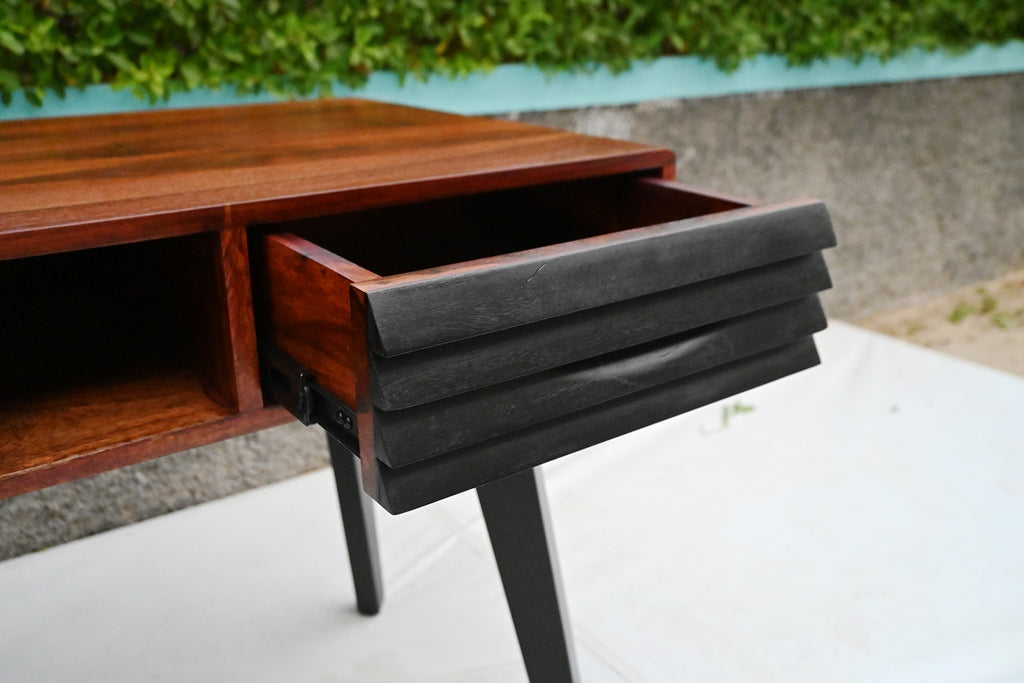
924 181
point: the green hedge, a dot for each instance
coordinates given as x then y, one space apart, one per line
289 47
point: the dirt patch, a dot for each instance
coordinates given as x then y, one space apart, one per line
983 323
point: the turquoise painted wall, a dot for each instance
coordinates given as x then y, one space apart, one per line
515 87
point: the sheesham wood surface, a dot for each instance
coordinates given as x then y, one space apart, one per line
305 308
90 181
236 323
83 430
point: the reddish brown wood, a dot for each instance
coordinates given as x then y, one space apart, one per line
80 431
200 293
237 320
270 162
305 308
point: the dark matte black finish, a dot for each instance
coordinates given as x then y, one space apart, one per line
360 531
549 281
405 488
484 356
408 436
437 373
515 510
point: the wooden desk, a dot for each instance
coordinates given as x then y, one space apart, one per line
456 300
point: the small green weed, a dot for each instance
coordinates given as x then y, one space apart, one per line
961 312
987 305
737 408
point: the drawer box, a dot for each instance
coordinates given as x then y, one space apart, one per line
476 336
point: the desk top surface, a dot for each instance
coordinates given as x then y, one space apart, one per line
179 170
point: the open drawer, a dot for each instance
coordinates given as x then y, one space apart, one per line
460 340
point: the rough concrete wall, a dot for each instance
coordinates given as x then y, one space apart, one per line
925 183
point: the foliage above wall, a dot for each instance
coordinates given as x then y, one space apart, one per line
291 47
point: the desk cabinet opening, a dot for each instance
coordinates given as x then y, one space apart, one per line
108 346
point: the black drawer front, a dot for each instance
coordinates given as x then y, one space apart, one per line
441 372
491 368
406 488
406 314
406 436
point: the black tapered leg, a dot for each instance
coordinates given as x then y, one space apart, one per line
515 510
360 532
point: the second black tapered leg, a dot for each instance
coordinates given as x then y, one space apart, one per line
360 532
515 510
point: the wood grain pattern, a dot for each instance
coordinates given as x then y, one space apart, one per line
200 285
77 431
270 162
237 321
305 308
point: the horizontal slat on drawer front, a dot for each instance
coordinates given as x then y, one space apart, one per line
445 371
419 310
407 436
406 488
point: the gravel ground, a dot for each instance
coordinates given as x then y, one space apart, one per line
983 323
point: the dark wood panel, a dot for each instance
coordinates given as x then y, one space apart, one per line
419 310
655 200
416 236
74 317
440 372
407 436
406 488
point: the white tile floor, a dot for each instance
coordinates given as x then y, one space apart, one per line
865 522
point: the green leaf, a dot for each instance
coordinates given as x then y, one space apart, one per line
9 82
8 40
121 62
192 73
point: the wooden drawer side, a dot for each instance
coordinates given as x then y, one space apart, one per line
304 308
